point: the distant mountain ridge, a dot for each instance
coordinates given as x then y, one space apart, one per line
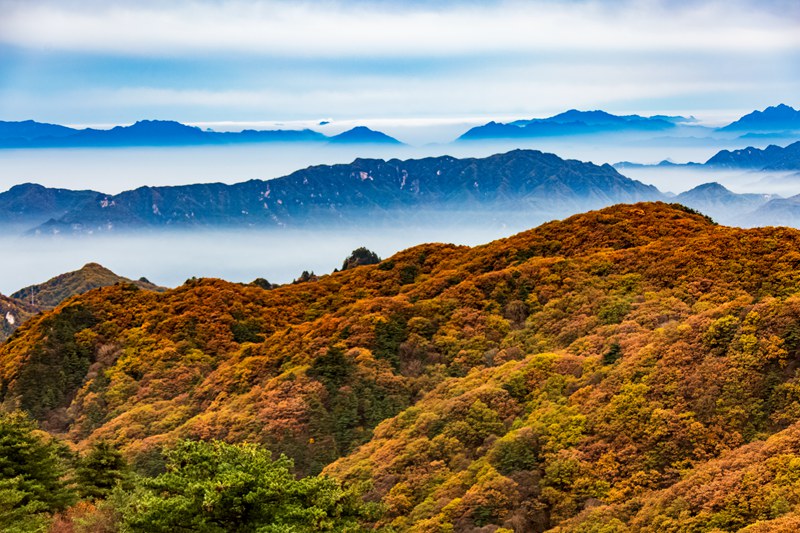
29 129
770 158
723 205
572 122
29 134
362 134
518 188
31 204
772 119
779 122
522 182
776 121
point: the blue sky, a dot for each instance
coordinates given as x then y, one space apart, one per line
106 62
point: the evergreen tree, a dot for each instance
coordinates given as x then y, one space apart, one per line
360 256
100 470
220 487
31 475
263 283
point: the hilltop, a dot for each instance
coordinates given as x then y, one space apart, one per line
24 303
595 370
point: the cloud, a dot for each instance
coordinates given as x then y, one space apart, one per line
383 29
193 60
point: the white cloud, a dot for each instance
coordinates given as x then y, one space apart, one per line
328 29
207 60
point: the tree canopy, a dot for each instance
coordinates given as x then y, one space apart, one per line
226 488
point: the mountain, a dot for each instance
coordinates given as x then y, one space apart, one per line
522 183
362 134
772 119
770 158
29 129
722 204
52 292
21 305
602 118
628 369
31 134
12 314
777 212
30 204
572 122
622 165
163 132
155 132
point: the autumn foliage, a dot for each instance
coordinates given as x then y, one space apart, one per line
629 369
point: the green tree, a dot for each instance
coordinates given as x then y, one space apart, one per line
305 277
31 475
218 487
360 256
100 470
263 283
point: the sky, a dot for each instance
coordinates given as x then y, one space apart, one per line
225 64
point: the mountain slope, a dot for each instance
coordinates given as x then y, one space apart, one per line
722 204
12 314
777 212
523 183
90 276
587 364
362 134
572 122
29 129
30 134
770 158
23 304
30 204
772 119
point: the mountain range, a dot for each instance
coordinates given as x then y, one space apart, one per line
780 119
773 158
777 121
572 122
30 134
525 184
521 187
628 369
770 158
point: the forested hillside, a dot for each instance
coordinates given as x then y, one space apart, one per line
629 369
24 303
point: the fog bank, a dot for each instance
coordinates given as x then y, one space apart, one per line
113 170
170 258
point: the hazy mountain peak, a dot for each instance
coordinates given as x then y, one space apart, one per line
712 186
774 118
363 134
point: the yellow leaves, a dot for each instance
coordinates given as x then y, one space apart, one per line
398 501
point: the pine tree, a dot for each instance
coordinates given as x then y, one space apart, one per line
219 487
31 475
360 256
100 470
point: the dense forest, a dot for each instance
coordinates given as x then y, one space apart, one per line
635 368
